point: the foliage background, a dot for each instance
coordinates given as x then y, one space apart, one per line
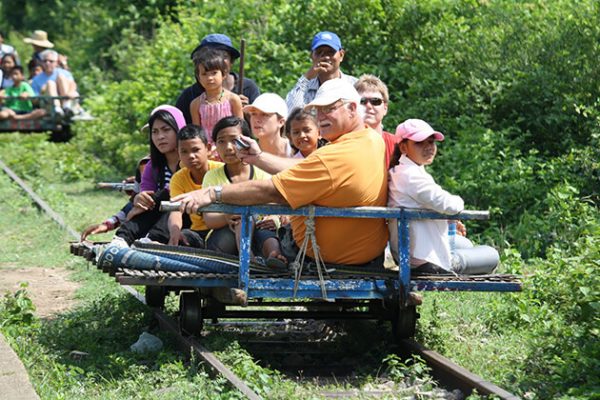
514 85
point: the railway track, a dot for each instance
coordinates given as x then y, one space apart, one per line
298 350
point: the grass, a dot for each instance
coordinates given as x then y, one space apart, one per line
106 321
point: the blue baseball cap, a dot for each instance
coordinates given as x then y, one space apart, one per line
218 41
326 38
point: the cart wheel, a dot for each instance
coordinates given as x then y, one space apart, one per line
404 322
155 296
190 313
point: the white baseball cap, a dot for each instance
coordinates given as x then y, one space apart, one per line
332 91
269 103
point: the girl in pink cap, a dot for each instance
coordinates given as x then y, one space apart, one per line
145 219
411 186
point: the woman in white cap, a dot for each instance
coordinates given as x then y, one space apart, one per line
267 120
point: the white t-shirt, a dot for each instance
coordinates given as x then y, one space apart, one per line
412 187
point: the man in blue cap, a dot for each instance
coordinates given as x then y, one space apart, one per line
222 42
327 54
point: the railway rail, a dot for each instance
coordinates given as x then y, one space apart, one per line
451 374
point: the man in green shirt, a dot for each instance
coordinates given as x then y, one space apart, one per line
20 108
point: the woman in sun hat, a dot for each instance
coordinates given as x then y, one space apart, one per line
39 41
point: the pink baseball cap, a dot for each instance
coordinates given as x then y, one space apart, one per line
417 130
175 112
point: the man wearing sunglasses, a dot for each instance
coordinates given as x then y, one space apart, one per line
374 99
326 54
340 174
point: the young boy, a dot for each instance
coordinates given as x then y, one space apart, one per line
412 187
192 146
21 108
225 237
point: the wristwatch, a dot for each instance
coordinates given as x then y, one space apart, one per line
218 194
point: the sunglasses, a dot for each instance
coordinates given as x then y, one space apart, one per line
375 101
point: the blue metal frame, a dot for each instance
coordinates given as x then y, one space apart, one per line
366 288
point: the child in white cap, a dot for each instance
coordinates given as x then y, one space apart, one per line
412 187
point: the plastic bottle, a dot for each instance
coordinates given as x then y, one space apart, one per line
452 236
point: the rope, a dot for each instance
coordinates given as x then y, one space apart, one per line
298 263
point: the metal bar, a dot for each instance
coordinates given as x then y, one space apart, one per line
38 200
457 373
336 289
120 186
277 314
404 254
345 212
245 249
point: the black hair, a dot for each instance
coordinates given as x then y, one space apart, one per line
299 114
16 68
192 131
34 62
395 158
211 59
228 122
159 161
9 55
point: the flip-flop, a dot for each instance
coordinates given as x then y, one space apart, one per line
276 263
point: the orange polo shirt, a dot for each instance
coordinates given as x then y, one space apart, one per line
348 172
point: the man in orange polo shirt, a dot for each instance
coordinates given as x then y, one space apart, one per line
348 172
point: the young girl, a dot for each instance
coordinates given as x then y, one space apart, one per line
411 186
8 63
145 219
268 113
216 102
226 227
302 130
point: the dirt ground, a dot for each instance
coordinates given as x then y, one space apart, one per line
49 289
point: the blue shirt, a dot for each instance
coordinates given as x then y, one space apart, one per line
40 80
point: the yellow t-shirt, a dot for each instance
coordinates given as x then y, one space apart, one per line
217 176
348 172
182 182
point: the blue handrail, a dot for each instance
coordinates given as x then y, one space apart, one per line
403 215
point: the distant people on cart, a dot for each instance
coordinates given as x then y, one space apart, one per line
39 41
221 42
114 221
268 114
302 131
326 55
20 106
55 81
7 49
226 234
145 219
8 62
340 174
216 102
374 99
412 186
